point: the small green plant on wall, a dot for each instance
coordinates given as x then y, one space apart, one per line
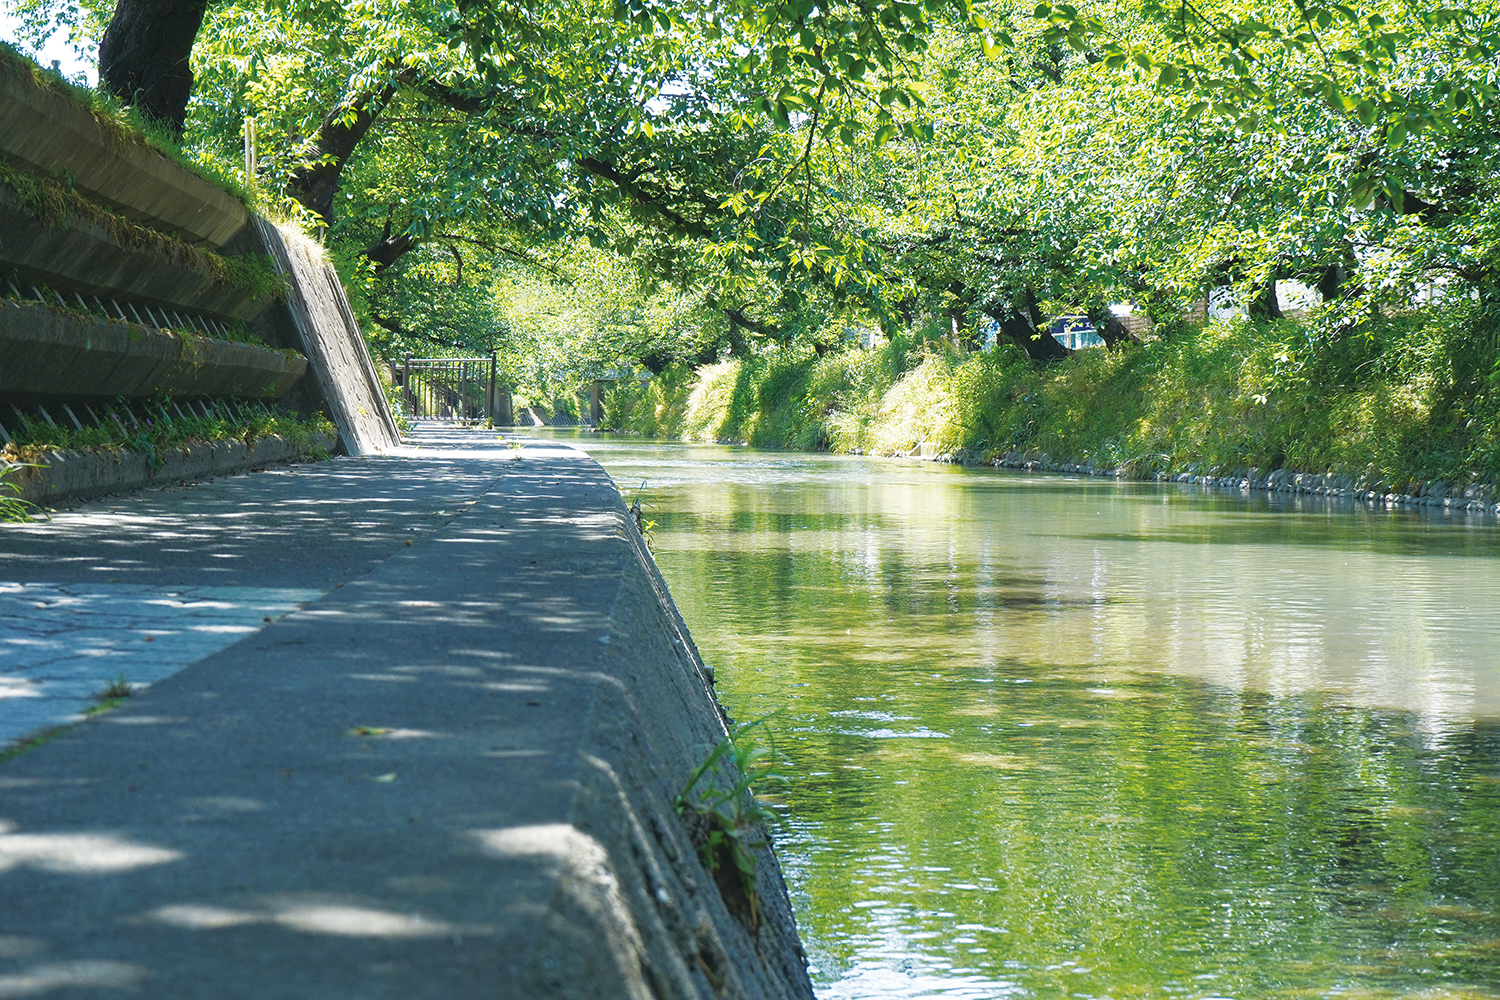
725 818
647 528
12 507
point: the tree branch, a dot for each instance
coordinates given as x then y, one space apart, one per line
315 181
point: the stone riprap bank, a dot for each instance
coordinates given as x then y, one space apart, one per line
1471 498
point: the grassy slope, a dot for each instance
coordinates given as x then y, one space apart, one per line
1395 402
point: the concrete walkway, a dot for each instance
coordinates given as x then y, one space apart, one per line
144 584
414 727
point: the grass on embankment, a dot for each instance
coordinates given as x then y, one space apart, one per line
125 123
1394 401
161 431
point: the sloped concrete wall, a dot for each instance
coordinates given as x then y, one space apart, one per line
46 130
52 352
331 339
677 933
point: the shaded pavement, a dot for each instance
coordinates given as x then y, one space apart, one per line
354 770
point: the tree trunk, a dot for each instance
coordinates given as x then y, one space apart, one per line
144 57
1021 329
1110 329
1264 304
316 180
965 334
385 251
1331 282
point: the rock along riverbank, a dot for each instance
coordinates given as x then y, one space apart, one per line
453 774
1473 497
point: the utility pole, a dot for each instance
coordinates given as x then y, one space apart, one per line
251 161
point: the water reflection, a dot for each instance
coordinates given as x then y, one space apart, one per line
1069 738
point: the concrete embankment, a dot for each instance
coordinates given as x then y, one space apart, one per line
71 476
452 775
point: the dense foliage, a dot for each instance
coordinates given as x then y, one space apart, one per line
1397 409
600 189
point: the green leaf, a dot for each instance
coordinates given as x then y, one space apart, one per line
1395 193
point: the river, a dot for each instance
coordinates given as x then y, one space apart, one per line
1066 737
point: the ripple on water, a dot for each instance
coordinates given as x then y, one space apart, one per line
1214 749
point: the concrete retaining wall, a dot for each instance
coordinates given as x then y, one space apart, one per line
48 131
52 352
45 130
77 475
78 256
332 341
679 933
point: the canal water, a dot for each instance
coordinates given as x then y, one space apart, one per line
1062 737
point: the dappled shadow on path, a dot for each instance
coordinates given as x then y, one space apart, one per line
369 796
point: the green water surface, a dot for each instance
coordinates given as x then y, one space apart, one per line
1060 737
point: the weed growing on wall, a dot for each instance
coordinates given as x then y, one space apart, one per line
726 820
12 507
162 431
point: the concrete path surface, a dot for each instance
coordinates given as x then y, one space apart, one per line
414 728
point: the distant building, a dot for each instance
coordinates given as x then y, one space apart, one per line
1075 332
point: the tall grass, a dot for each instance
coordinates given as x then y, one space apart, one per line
1397 400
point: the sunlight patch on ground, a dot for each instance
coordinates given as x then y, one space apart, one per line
62 644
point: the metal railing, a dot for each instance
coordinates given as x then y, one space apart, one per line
461 390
